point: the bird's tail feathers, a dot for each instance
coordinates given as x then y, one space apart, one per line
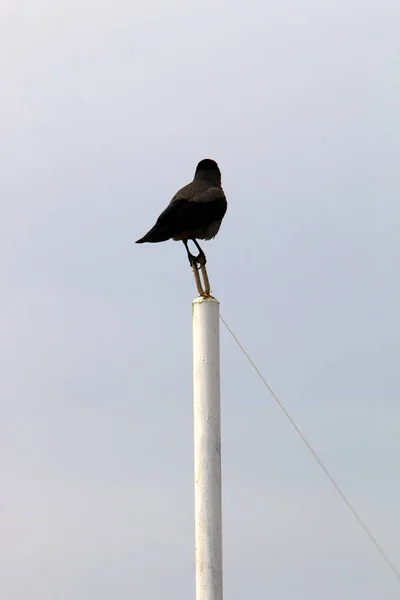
156 234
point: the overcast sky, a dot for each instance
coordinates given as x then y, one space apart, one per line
106 108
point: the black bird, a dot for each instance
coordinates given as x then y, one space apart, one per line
195 212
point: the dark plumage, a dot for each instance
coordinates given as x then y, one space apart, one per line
195 212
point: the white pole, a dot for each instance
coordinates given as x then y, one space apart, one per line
207 449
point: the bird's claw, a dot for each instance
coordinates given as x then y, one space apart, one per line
200 260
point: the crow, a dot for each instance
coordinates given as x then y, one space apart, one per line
195 212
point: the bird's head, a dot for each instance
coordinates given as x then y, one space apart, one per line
208 170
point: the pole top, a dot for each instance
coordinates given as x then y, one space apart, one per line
204 299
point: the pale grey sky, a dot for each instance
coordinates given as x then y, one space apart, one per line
106 108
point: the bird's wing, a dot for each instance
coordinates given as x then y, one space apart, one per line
196 205
190 209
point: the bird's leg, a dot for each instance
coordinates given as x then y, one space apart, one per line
193 260
201 258
193 264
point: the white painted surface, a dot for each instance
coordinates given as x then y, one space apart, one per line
207 449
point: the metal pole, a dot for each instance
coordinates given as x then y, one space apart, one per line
207 449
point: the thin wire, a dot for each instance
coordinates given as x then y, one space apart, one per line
315 455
